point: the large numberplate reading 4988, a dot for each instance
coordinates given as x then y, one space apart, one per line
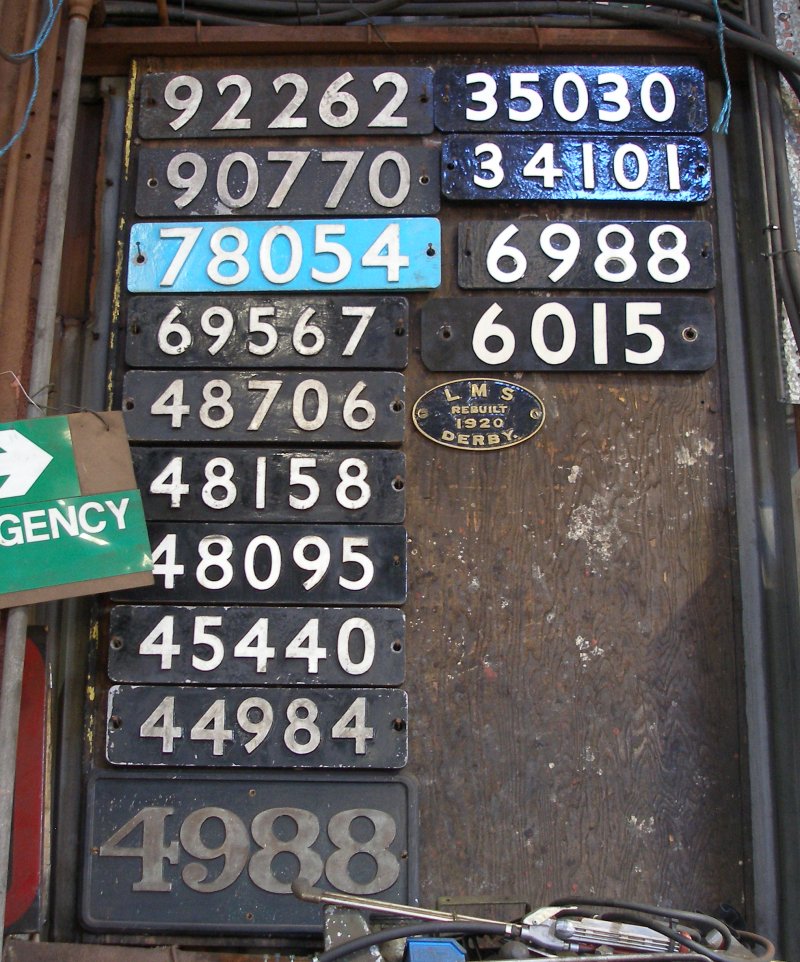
218 853
256 406
275 728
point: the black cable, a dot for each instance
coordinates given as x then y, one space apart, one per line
635 918
696 919
407 931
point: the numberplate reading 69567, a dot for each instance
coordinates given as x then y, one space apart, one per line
218 853
256 727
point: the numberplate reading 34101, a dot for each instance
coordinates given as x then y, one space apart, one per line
274 728
218 853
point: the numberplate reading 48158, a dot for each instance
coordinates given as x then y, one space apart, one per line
218 854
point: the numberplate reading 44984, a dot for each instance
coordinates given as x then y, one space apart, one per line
275 728
218 853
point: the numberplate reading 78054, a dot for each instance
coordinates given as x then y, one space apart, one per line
218 853
255 727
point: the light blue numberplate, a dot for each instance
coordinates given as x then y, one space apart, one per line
382 254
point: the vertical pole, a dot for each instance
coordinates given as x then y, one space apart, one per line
44 336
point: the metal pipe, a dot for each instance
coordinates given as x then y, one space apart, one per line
44 335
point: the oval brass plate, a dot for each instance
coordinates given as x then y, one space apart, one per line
478 414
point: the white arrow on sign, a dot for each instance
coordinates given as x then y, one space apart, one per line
21 463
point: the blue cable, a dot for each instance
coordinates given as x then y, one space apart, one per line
21 57
721 123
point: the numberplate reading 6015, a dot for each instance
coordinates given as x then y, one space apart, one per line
167 644
264 181
538 254
281 564
513 167
569 334
274 728
301 255
295 102
233 331
578 99
218 853
246 484
278 407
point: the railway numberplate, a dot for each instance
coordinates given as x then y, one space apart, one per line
165 644
236 331
258 406
264 181
281 564
512 167
242 484
297 102
253 727
572 333
218 853
536 254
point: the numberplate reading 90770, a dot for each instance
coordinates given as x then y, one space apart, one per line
254 727
218 853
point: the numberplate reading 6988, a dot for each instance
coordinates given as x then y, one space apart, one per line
218 853
256 727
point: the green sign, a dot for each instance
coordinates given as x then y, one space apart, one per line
57 526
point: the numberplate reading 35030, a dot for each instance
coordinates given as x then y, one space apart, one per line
218 853
274 728
302 255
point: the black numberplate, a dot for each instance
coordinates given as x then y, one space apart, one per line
238 727
526 333
164 644
294 102
245 484
512 167
303 332
262 181
280 564
537 254
258 406
217 854
578 99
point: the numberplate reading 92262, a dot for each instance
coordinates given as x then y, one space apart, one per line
218 853
256 727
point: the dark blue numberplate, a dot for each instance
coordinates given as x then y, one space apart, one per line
532 99
257 728
569 333
216 854
513 167
170 644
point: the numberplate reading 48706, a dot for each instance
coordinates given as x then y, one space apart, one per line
218 853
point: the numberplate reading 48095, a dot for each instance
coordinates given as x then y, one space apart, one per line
218 854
